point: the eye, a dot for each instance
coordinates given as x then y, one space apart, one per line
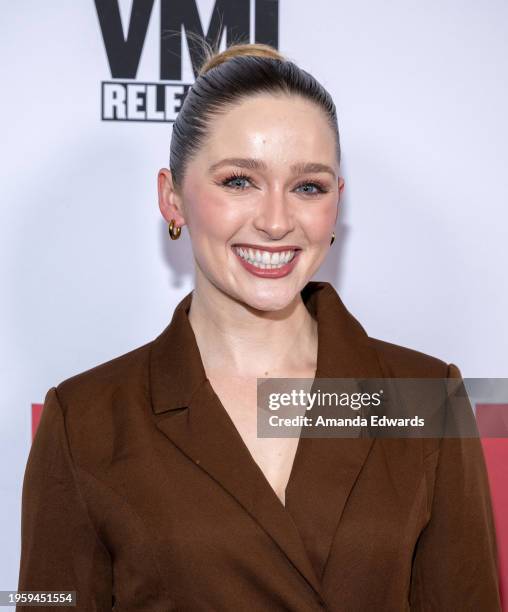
319 186
235 177
238 177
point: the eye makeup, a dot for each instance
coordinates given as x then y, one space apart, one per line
243 176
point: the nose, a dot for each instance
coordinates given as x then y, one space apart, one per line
274 216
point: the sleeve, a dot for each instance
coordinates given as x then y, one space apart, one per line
455 560
60 549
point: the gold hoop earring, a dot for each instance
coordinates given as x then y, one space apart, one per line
174 232
333 238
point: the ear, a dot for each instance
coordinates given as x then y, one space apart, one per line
341 186
170 201
340 189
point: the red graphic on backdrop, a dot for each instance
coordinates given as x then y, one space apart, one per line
492 420
36 417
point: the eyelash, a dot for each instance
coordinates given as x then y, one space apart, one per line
234 176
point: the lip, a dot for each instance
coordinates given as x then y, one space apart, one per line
273 249
272 272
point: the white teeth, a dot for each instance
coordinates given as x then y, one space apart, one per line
265 259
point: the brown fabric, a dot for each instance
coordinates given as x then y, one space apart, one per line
140 491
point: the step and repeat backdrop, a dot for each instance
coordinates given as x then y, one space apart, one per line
89 94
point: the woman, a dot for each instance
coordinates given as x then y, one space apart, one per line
147 487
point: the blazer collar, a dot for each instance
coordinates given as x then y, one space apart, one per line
176 368
190 414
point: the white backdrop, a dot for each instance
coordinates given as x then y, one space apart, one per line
89 272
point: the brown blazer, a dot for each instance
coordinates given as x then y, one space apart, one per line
140 494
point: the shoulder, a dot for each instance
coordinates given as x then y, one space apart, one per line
108 377
104 404
404 362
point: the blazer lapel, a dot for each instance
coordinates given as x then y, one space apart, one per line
325 469
190 414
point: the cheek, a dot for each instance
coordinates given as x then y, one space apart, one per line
318 220
215 215
212 221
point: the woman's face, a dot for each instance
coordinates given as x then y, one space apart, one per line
247 218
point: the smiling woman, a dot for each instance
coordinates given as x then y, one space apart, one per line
147 486
262 174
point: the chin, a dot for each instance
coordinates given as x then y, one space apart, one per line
269 295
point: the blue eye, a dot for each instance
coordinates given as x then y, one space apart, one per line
314 185
244 177
235 177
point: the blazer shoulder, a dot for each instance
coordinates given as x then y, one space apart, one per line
103 404
404 362
124 372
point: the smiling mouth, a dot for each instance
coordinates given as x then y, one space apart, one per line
264 259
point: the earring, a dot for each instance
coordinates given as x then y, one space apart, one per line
174 232
333 238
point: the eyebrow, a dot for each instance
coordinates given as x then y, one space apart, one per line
258 164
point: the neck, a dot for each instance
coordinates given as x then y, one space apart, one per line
237 340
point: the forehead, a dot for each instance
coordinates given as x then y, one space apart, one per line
271 127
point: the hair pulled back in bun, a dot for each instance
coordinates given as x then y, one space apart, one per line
226 78
239 49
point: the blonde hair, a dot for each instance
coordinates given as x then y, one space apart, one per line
215 58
